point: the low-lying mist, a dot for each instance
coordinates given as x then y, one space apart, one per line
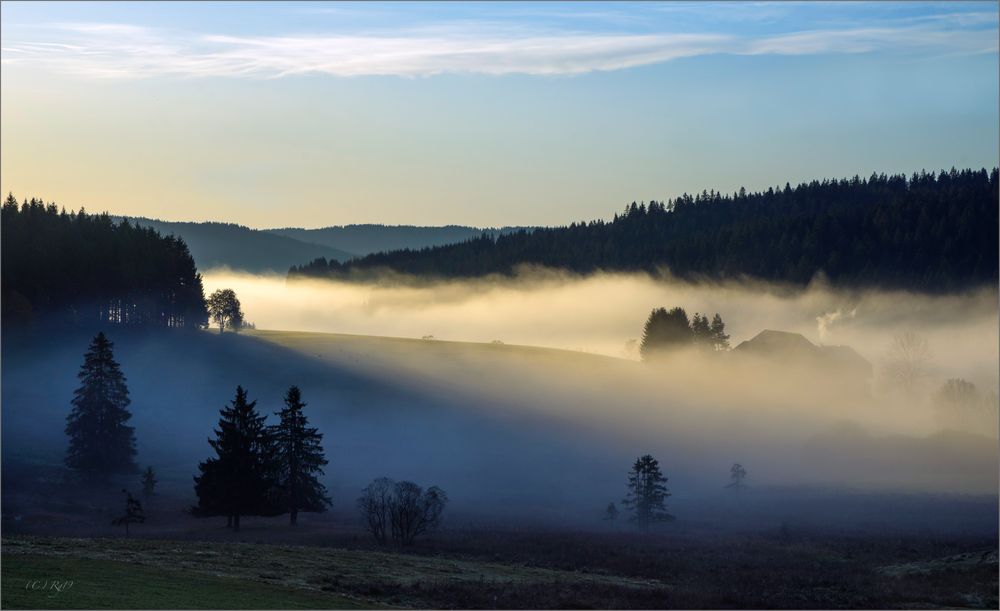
601 313
516 433
798 422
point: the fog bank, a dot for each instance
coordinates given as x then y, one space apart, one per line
600 313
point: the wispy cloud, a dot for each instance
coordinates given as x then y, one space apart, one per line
105 50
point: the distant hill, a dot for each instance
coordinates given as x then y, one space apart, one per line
931 232
242 248
275 250
367 239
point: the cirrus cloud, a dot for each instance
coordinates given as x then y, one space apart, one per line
107 50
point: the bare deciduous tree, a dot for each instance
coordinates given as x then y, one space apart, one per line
908 360
374 504
414 511
400 510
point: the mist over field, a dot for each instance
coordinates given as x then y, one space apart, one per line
522 430
588 415
600 313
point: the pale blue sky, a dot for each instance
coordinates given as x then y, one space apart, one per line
313 114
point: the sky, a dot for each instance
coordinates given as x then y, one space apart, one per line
486 114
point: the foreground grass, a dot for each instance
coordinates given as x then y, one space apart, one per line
510 571
33 581
162 574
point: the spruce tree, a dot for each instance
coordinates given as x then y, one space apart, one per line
701 332
100 441
647 493
300 459
133 513
719 337
149 482
240 480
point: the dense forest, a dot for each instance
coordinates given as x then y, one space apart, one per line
76 267
933 232
367 239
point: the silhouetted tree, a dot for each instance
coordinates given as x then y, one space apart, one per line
701 332
225 310
133 513
647 493
957 392
908 360
149 482
737 474
402 510
664 331
720 340
414 511
611 514
300 459
374 503
100 441
959 405
241 480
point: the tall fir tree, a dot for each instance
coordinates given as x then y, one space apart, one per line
300 459
647 493
101 443
701 331
241 479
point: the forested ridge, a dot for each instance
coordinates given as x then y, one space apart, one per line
372 238
931 231
74 267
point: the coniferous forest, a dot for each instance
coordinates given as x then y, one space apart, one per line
931 231
79 268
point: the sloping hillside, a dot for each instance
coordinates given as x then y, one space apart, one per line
510 432
241 248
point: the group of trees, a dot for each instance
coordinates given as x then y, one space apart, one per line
81 268
260 469
667 330
960 405
646 493
933 232
400 511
